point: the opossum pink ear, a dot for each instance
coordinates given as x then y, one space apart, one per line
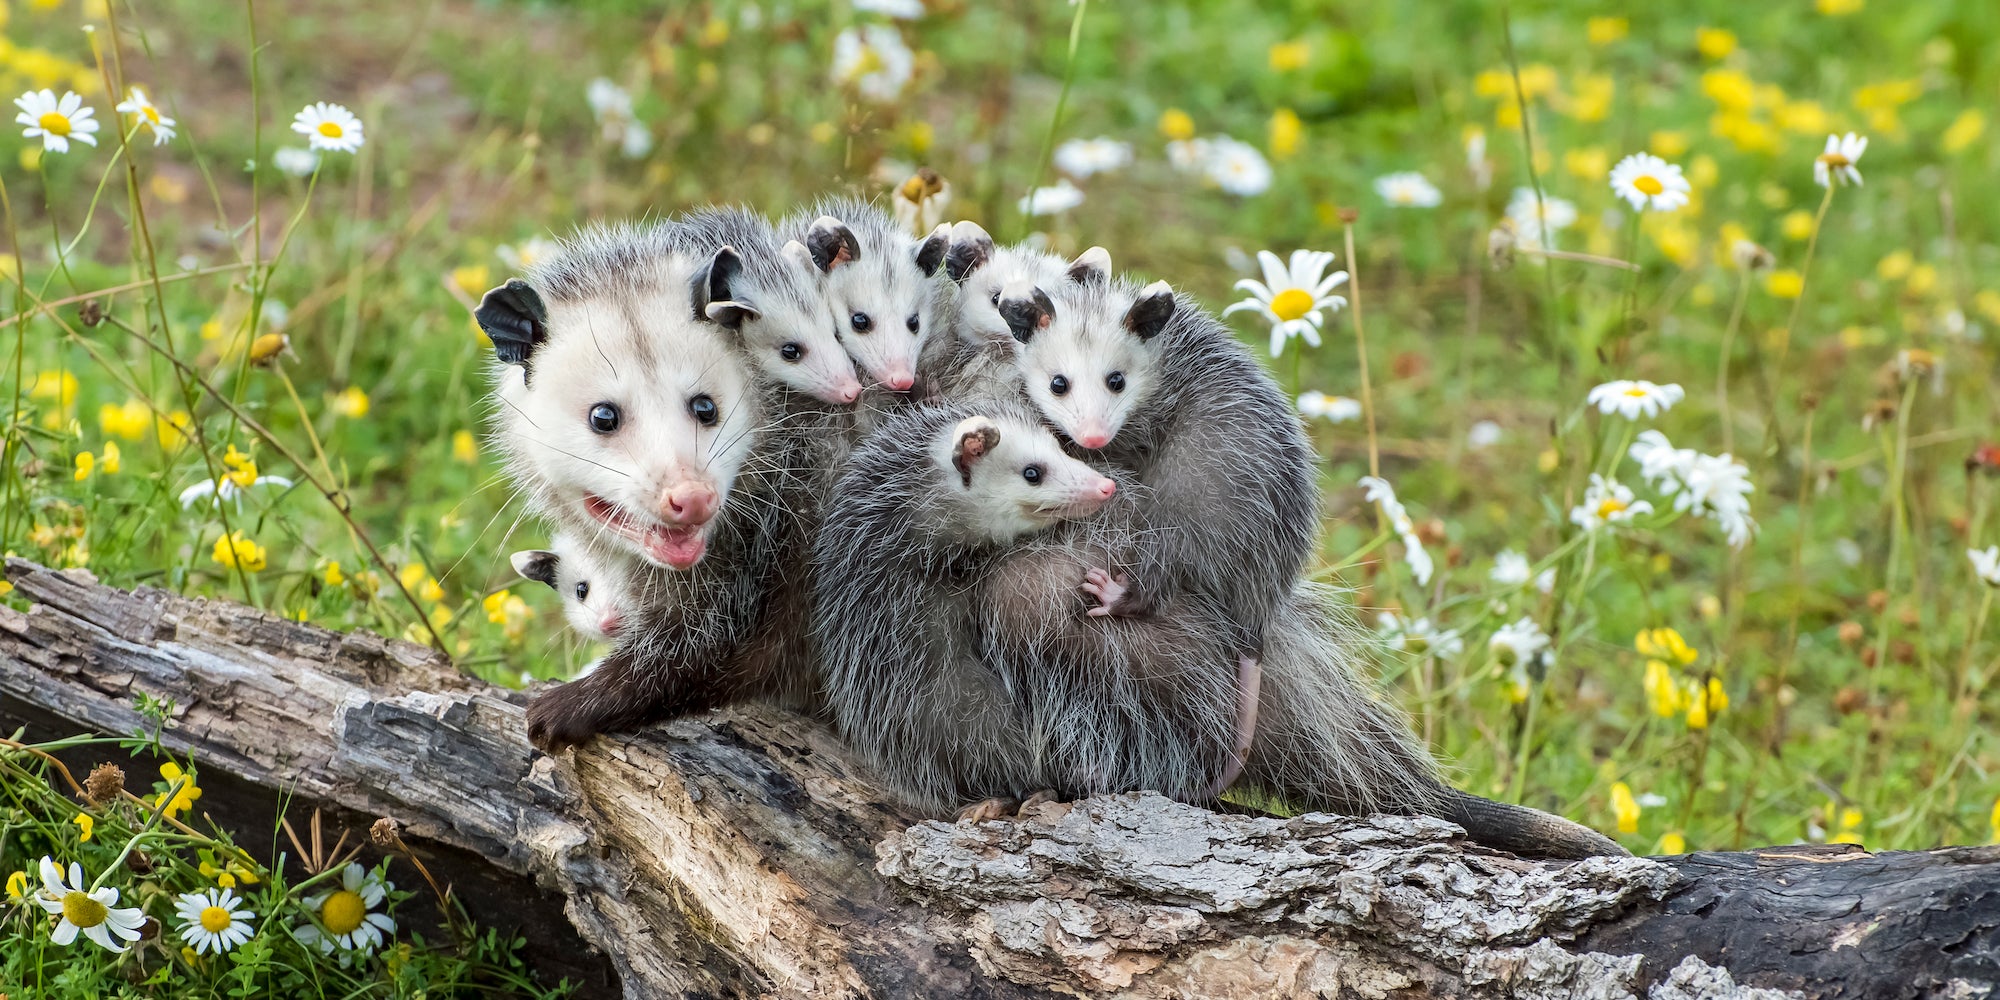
974 438
1026 308
971 248
1091 267
515 319
711 282
732 314
797 253
1150 314
930 253
538 565
832 243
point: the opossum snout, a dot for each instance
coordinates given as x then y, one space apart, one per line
688 503
1093 435
847 390
1106 487
899 379
609 624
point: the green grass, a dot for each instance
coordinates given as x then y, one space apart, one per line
1851 635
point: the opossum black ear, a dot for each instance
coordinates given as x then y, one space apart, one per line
515 320
973 439
538 565
1026 308
1091 267
832 243
971 248
1150 314
712 280
930 253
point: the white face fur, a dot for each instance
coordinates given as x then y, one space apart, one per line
1014 478
635 420
1085 363
790 334
883 302
599 590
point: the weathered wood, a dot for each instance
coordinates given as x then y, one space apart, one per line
742 855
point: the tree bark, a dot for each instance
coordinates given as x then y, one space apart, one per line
743 854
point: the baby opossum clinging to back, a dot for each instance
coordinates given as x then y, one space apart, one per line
877 281
632 424
601 591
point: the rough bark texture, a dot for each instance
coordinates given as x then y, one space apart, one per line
741 855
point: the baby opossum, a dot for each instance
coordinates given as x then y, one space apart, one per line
632 424
878 282
601 591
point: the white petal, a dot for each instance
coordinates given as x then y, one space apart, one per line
65 932
1274 270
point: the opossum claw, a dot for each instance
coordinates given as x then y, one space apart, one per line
1109 589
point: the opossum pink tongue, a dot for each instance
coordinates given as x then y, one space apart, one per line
680 547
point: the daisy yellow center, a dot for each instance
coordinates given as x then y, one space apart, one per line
1609 506
1830 159
215 919
83 911
1648 184
331 130
343 911
870 62
152 113
1636 393
54 123
1291 304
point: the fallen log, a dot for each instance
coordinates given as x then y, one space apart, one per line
744 855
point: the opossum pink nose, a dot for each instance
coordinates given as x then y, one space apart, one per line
1106 487
609 625
847 390
688 503
899 379
1093 439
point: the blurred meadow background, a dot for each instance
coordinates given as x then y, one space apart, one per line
1745 600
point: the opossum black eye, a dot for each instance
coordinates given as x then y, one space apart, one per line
1033 474
582 589
791 352
604 418
704 410
1059 385
862 322
1115 381
913 322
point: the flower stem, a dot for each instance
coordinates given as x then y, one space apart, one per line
1055 121
1792 321
1361 350
1798 577
1722 367
1898 528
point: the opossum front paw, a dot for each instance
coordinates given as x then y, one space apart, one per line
1109 589
561 718
985 810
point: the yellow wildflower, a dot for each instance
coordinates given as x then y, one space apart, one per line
1668 143
1591 98
1837 8
1730 88
1676 240
431 591
441 616
1702 171
1850 826
351 402
1625 807
184 797
242 470
1802 117
495 605
1895 266
1288 56
59 386
85 823
1590 163
1798 225
236 550
332 574
1748 134
1537 80
411 575
1671 843
1714 43
268 346
1664 644
473 279
1176 124
1785 283
1661 691
464 447
17 884
110 459
1606 30
1963 130
172 429
130 420
229 873
1286 133
85 464
822 133
1704 702
1988 304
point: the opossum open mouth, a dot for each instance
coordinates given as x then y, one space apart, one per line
673 546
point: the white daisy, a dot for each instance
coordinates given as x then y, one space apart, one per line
1292 298
56 121
1377 490
1334 409
1055 200
295 161
535 248
1408 189
1237 167
1606 502
1632 399
1519 643
1510 569
1484 434
92 911
907 10
329 127
211 922
1646 181
1419 636
135 103
1713 486
1651 800
1533 222
1837 164
1191 155
1081 158
1986 563
608 101
345 917
873 60
225 488
635 140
